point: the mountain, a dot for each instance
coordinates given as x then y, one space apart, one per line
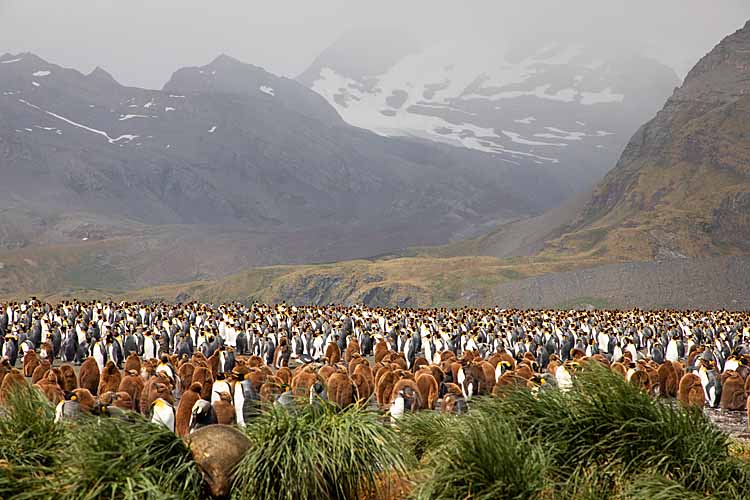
682 185
227 166
669 226
560 104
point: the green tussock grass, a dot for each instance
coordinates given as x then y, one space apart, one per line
126 458
30 441
603 439
317 452
91 458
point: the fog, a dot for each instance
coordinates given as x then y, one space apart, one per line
141 42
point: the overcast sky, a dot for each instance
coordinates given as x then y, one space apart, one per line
141 42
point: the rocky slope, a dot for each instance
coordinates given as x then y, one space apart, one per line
682 185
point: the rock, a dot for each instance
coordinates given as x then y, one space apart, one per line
217 449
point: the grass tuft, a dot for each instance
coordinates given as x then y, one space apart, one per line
317 452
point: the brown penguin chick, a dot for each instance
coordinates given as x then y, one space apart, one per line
653 378
333 353
285 374
452 402
110 378
88 375
257 377
85 399
577 353
428 389
451 356
488 377
733 392
381 350
14 378
255 362
363 387
202 375
364 371
270 390
50 388
40 371
400 360
133 362
158 389
620 369
384 388
185 408
326 371
213 364
132 383
403 384
506 382
341 389
123 401
355 362
46 351
185 373
5 369
30 362
690 391
668 381
302 382
68 378
352 349
640 379
419 363
224 409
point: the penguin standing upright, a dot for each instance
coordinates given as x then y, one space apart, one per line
246 401
150 347
710 382
673 350
163 413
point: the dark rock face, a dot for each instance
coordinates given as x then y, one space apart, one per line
679 188
719 79
731 221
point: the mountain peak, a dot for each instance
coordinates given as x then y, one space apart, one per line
100 75
225 60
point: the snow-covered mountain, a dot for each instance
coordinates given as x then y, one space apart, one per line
550 103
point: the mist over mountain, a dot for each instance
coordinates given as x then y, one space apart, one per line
541 102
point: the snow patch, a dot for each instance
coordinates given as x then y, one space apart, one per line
42 73
124 137
128 117
561 134
267 90
167 109
148 104
212 129
9 61
526 121
603 97
518 139
35 84
177 96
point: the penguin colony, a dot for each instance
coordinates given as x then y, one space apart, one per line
191 365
